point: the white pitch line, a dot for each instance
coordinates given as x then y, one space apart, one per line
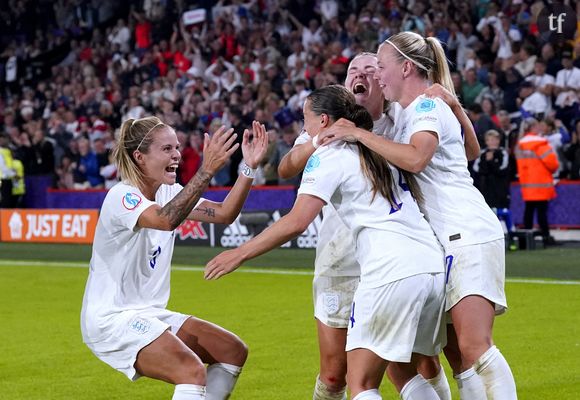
250 270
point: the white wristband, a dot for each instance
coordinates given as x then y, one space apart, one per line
315 143
248 172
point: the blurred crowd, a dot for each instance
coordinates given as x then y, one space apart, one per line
72 70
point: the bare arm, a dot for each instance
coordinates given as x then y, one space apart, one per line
228 210
471 143
289 226
217 151
413 157
295 160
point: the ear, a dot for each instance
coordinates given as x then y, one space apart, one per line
324 120
138 156
407 67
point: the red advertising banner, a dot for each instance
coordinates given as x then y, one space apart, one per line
48 226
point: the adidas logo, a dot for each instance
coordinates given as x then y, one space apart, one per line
235 235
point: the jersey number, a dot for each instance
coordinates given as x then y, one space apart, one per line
153 260
403 185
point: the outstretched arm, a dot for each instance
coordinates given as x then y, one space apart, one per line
289 226
228 210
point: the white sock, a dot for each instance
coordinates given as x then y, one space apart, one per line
441 385
221 379
372 394
321 392
470 385
496 375
418 389
188 392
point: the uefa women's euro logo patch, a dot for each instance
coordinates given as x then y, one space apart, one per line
131 201
312 164
425 105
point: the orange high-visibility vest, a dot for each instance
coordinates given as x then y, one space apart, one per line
536 161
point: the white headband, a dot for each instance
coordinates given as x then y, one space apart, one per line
417 63
147 134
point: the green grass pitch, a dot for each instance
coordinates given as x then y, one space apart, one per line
42 355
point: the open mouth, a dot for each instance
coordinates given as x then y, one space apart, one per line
171 169
359 88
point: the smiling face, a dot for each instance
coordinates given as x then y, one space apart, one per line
360 81
389 72
159 164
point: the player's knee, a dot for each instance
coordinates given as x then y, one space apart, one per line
428 367
191 371
238 353
473 347
335 382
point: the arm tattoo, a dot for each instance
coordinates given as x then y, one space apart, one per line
182 204
210 212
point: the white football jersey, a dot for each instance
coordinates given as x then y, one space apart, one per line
454 207
130 266
391 243
335 250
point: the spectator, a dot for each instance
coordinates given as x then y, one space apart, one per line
536 162
42 162
65 173
526 60
120 35
566 90
572 153
543 82
492 91
87 172
493 169
481 123
7 173
191 151
557 136
532 103
470 88
18 183
462 41
283 146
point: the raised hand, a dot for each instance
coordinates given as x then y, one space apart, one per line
255 150
222 264
218 149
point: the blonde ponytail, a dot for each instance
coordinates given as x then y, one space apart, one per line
440 71
426 54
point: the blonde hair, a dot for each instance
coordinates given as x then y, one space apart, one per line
135 134
426 54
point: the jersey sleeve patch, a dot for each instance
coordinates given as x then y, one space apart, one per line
313 163
425 105
131 200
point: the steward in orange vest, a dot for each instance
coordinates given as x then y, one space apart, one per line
536 161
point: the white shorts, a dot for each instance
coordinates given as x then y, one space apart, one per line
400 318
477 269
129 332
333 299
